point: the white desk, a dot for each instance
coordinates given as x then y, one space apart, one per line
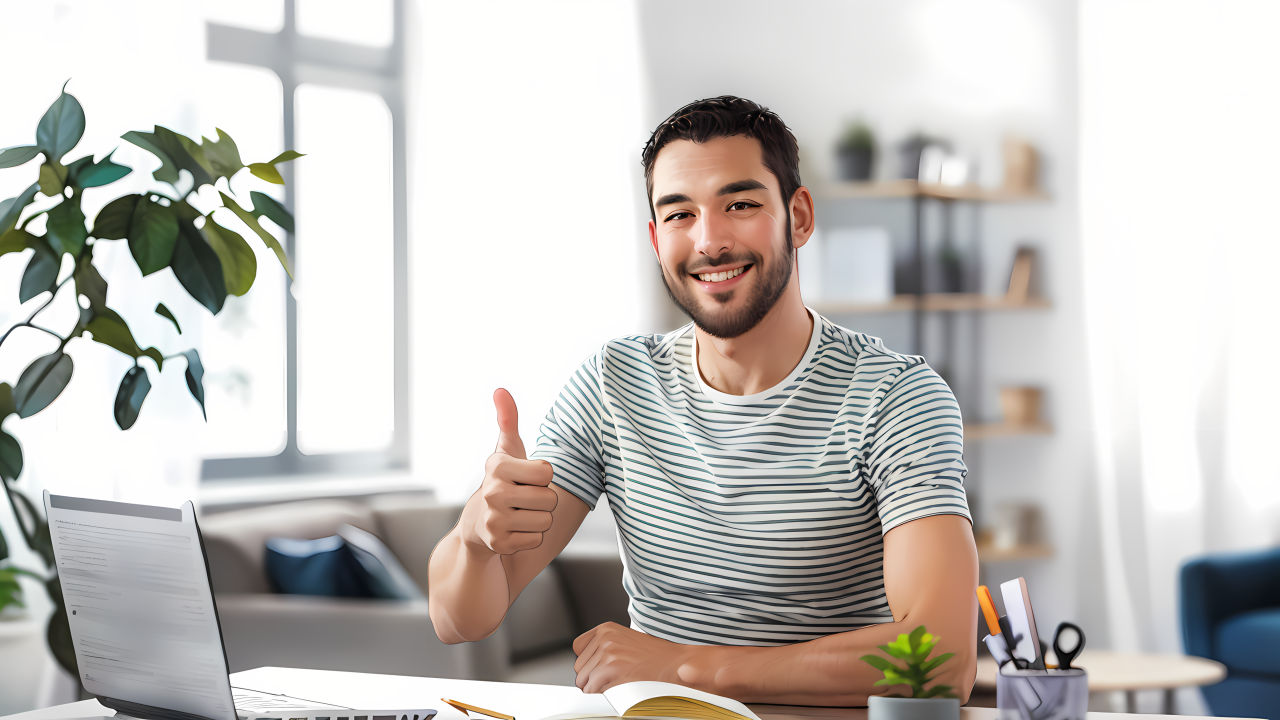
526 702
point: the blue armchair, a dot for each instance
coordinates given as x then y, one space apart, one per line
1231 613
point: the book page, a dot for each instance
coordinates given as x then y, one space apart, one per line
628 695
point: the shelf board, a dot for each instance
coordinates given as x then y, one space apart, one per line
983 431
991 553
913 188
934 302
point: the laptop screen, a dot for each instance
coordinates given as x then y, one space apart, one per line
141 610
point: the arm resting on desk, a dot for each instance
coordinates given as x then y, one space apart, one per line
930 572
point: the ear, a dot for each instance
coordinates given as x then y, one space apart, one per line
802 217
653 240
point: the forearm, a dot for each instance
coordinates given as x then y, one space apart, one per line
469 593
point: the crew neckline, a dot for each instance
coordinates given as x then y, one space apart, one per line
814 337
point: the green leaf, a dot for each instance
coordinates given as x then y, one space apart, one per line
286 156
195 379
152 235
53 179
11 209
895 649
66 232
164 312
239 263
41 274
15 156
114 220
878 662
41 383
61 127
7 407
15 240
133 390
916 636
929 666
4 548
199 268
223 155
253 223
176 152
266 171
99 174
265 205
90 284
10 457
59 633
111 330
33 526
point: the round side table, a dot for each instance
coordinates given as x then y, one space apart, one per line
1131 672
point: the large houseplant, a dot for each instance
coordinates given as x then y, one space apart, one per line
169 228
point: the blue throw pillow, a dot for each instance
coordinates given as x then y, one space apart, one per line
353 563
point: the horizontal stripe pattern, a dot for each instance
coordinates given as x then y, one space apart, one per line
757 520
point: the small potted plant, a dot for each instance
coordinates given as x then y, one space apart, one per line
935 703
856 152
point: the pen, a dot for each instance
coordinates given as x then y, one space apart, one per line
997 641
463 708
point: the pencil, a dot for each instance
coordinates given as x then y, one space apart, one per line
989 610
463 708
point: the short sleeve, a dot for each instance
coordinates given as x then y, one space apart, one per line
570 435
916 458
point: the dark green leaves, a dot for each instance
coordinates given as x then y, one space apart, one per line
239 264
198 268
58 634
10 456
176 152
114 220
267 170
42 271
164 312
223 156
15 241
92 174
133 390
66 232
252 221
152 235
111 330
266 206
15 156
53 179
195 379
90 284
61 127
41 383
11 209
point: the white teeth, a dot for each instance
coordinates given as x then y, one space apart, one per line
721 276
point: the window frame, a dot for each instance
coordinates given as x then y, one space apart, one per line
296 60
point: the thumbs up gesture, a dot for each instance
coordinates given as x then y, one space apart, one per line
516 496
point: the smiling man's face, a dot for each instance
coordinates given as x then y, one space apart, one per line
720 232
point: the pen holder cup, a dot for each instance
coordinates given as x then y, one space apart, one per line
1042 694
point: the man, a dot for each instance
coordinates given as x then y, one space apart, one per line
788 492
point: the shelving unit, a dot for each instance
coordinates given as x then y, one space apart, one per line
922 303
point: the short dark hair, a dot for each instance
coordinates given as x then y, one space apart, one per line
726 116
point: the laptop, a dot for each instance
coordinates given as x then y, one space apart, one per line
144 623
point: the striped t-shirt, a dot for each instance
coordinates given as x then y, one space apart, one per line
757 519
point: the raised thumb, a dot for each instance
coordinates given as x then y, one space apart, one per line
509 441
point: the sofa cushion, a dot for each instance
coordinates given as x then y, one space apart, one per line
315 567
1248 641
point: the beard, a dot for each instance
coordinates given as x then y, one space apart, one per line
724 323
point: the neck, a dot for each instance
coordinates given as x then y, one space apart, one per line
764 355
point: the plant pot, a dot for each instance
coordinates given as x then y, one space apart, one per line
887 708
855 163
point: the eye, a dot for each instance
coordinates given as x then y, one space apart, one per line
742 205
682 215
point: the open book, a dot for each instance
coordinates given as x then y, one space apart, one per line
647 699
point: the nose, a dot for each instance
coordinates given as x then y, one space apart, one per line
716 236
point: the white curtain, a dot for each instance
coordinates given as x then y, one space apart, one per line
1180 175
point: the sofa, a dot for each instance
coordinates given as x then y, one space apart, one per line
1230 611
578 591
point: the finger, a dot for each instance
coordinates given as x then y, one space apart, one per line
524 497
513 542
589 675
530 521
509 441
522 472
587 659
580 643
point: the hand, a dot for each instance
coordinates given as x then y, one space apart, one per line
610 655
516 498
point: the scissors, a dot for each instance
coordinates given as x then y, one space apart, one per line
1068 641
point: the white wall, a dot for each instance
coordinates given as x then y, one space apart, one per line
971 72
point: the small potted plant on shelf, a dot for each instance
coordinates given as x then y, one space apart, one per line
935 703
856 152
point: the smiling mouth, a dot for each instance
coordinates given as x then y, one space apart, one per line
721 276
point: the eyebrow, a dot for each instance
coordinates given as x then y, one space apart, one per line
731 188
